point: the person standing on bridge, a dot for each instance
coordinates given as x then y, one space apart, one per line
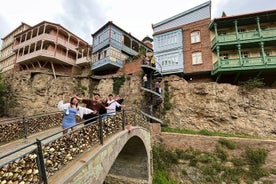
112 104
94 105
70 111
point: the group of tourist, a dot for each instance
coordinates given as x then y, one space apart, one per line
94 107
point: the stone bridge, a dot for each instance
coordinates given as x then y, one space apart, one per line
125 157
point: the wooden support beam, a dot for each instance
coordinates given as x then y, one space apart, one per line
237 77
39 64
218 77
259 74
53 68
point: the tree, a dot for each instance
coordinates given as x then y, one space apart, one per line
223 14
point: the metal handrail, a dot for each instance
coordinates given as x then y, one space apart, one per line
148 87
21 127
31 116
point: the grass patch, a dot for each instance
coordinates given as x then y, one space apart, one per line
210 167
256 157
205 132
230 144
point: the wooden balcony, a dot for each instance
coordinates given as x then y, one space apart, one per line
83 61
244 64
106 64
249 36
46 56
48 37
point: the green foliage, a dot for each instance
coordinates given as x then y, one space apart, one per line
230 144
117 83
162 161
211 166
237 161
204 132
184 172
162 177
207 158
256 157
223 14
233 174
252 83
256 173
166 105
142 51
273 171
79 89
221 153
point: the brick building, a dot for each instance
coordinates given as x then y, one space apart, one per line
182 43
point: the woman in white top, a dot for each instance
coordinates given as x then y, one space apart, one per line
70 111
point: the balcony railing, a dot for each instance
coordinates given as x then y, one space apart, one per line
83 60
249 35
46 53
244 64
108 60
47 37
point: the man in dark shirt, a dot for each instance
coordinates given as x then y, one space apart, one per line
94 105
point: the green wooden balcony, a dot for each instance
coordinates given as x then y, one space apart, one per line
233 38
244 64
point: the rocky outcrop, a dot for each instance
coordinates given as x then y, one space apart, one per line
36 93
197 106
221 107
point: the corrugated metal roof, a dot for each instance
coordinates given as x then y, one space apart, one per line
197 13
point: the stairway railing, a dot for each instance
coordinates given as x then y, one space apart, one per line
152 98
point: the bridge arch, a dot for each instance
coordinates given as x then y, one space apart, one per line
123 156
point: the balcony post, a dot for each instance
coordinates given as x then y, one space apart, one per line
218 54
263 52
259 26
239 52
216 32
236 29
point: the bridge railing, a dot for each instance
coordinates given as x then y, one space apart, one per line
17 128
37 161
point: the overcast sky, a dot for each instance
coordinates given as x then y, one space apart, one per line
85 17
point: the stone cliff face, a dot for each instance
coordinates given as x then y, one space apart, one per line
211 106
36 93
221 107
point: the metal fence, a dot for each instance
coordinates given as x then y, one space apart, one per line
17 128
37 161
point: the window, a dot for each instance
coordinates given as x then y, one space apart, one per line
241 30
267 52
244 54
224 56
197 59
195 37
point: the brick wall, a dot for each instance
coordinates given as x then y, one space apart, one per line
203 46
132 67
